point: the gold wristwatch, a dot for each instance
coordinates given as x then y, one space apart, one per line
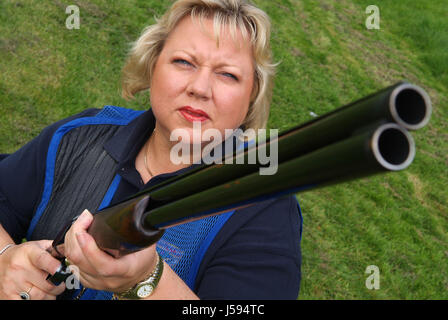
146 287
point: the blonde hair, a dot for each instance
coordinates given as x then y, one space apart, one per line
251 21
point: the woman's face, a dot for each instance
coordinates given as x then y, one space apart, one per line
195 80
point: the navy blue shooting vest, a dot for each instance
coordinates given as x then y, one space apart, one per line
80 175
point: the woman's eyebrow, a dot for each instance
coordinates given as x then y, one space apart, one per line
195 60
186 52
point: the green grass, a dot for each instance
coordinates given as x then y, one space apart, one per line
398 222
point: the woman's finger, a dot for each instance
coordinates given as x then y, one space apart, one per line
105 264
82 250
72 249
83 222
44 261
35 293
43 264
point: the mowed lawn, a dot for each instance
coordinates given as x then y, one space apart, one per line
397 222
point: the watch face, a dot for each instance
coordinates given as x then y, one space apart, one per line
144 290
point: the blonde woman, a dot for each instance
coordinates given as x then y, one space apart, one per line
204 61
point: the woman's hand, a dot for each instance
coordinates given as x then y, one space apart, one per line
97 269
24 268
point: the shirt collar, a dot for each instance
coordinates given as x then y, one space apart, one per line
125 145
130 138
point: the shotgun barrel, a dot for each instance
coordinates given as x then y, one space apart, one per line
362 138
386 148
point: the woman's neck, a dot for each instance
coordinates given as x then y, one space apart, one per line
159 155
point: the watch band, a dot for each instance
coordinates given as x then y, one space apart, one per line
144 288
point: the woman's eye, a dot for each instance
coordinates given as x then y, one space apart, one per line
182 61
229 75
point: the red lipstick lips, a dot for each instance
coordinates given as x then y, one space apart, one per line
191 114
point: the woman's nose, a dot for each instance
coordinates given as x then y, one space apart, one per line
200 85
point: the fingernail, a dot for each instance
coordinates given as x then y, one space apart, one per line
84 214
